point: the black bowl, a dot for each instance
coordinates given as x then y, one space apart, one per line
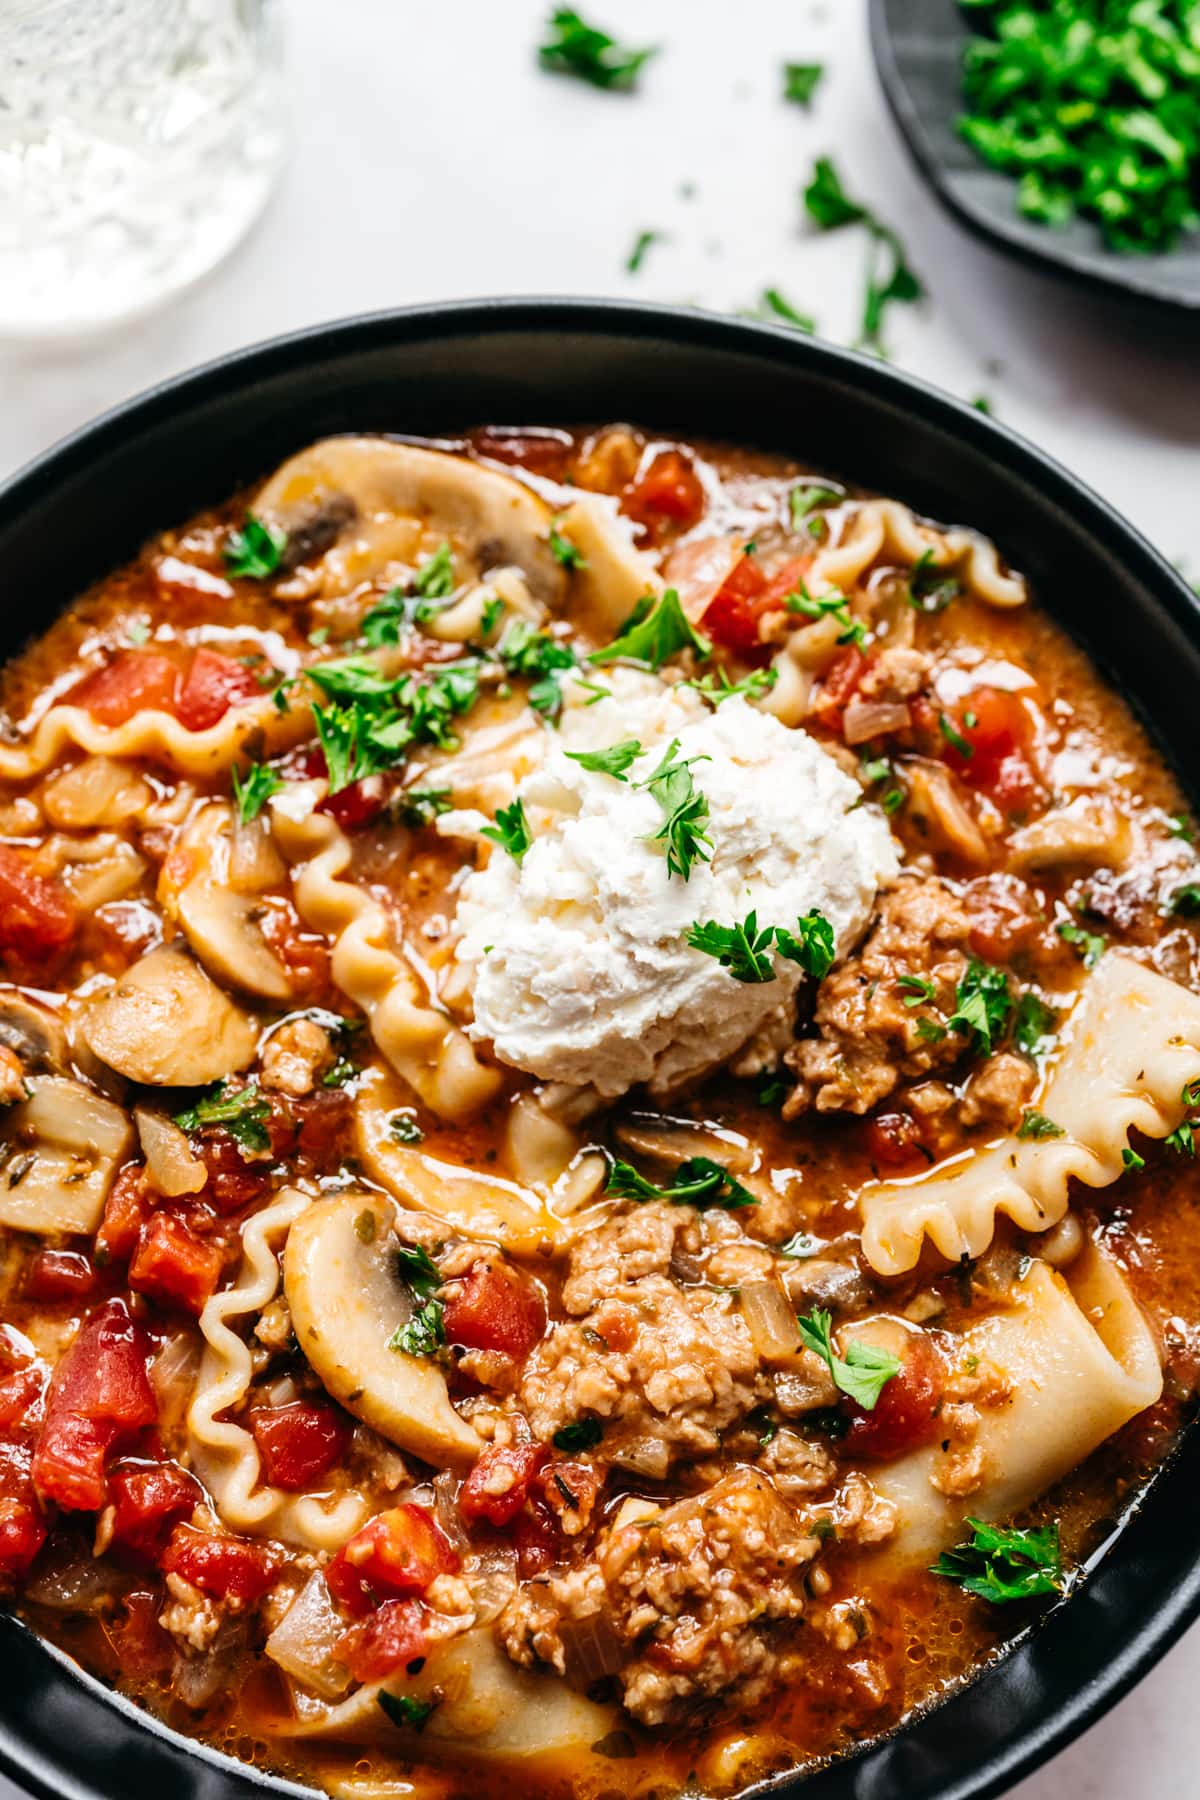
89 503
918 46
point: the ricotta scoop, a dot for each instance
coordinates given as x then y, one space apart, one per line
578 956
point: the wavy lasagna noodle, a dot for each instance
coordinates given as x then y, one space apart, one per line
406 1391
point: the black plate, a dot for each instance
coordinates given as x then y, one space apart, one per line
90 502
918 46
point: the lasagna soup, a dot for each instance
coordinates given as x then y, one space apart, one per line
598 1045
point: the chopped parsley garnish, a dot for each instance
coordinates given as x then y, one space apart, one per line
888 276
404 1128
812 945
616 761
684 809
384 716
698 1182
255 551
917 989
862 1374
564 551
580 1434
774 304
982 1004
434 580
253 789
718 687
1033 1025
343 1070
1182 1140
241 1113
424 1332
880 768
982 404
511 830
801 80
831 606
1132 1160
641 244
771 1089
1036 1125
573 47
1180 827
804 500
1001 1564
1186 900
742 949
421 806
1088 945
1092 106
541 660
930 588
490 615
954 737
930 1031
403 1709
656 630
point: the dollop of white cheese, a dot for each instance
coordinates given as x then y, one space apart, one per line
578 955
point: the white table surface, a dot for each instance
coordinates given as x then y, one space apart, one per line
432 160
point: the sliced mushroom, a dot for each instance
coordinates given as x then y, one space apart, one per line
33 1033
1087 833
60 1153
346 1301
614 574
490 516
169 1160
219 906
478 1205
166 1024
938 811
669 1142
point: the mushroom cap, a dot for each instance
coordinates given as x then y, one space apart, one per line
166 1024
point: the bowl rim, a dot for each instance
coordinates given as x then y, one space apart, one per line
1047 1725
1126 279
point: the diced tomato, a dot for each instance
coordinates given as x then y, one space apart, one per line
838 687
213 684
232 1182
299 1442
125 1212
535 1535
494 1307
321 1118
389 1640
140 1646
61 1275
732 616
1000 909
148 1499
100 1397
1000 729
395 1556
670 489
225 1568
351 807
172 1264
893 1141
906 1413
22 1395
22 1534
37 915
498 1486
570 1489
135 681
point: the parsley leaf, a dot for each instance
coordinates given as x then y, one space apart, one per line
1033 1025
685 812
699 1182
1001 1564
614 761
1089 945
421 806
241 1113
804 500
982 1005
511 830
1186 900
889 277
930 588
424 1332
404 1128
1132 1160
540 659
254 552
575 48
579 1434
813 945
1036 1125
1182 1140
718 687
641 244
916 989
434 580
254 789
403 1709
418 1271
564 551
654 635
801 80
862 1374
774 304
954 737
827 200
742 949
833 605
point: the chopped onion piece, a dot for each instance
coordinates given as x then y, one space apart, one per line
302 1643
872 718
169 1160
770 1321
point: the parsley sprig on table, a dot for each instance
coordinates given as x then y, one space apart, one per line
573 47
888 275
1001 1564
698 1182
1094 105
